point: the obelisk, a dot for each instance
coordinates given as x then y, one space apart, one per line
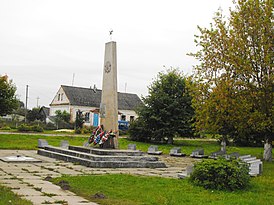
109 100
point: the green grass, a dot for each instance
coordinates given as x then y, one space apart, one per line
188 146
8 197
29 142
127 189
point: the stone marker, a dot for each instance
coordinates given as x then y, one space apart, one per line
198 153
215 155
131 146
244 156
187 172
255 167
176 151
223 146
42 143
64 144
109 99
153 149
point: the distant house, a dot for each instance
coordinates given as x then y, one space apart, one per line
44 111
72 99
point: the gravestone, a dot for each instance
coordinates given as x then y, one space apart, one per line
42 143
64 144
176 151
223 146
153 149
109 99
215 155
255 167
187 172
198 153
131 147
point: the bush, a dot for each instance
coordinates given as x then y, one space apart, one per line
6 128
24 128
78 131
221 174
37 128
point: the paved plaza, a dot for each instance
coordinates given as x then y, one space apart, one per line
28 179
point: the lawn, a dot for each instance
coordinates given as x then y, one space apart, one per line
127 189
8 197
28 142
136 190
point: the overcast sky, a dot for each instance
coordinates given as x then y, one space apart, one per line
43 42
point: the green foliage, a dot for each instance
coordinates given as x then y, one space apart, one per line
234 92
166 111
79 121
62 119
24 128
8 100
34 114
5 128
37 128
8 197
221 174
137 190
28 128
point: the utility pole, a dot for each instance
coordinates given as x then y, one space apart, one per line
73 76
37 101
27 93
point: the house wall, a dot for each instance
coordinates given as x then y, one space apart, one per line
128 114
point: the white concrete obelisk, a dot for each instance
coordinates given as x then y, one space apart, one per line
109 99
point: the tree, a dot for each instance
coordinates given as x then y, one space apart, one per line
166 111
79 121
34 114
8 100
237 71
61 117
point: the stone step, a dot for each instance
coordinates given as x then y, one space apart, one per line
112 152
94 157
102 164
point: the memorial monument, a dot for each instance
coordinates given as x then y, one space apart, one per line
109 99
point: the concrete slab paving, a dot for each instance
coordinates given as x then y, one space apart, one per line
28 180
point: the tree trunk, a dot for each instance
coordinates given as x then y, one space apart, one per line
268 150
170 140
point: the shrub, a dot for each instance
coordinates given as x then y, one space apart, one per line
78 131
37 128
6 128
221 174
24 128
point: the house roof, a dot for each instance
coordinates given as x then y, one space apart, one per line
45 110
92 98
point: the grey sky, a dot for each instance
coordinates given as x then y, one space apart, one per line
43 42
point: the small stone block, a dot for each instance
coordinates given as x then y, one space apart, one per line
245 156
215 155
198 153
64 144
42 143
153 149
176 151
131 147
235 155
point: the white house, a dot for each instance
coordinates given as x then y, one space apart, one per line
72 99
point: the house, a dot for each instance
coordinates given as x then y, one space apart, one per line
44 112
72 99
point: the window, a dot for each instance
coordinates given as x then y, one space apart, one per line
131 118
87 117
123 117
59 97
62 95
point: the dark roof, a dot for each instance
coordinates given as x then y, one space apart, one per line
92 98
45 110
